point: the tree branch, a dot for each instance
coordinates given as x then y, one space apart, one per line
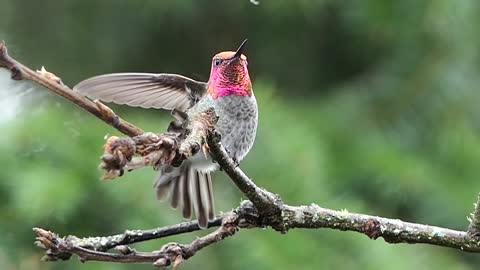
266 202
264 208
135 236
391 230
156 149
58 248
54 84
247 216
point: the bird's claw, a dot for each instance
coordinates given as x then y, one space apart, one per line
236 163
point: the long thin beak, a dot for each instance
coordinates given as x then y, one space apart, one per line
239 51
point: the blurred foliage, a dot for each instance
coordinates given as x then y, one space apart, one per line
368 105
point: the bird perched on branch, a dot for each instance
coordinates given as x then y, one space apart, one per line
228 91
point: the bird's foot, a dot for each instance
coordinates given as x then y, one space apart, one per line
236 162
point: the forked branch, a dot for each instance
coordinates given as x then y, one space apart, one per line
58 248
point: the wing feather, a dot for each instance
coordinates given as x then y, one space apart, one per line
146 90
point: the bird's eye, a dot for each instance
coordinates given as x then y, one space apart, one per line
217 61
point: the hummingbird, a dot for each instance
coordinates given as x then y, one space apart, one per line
228 91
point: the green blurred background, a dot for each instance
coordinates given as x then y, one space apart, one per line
368 105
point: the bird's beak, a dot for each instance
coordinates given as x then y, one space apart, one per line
239 51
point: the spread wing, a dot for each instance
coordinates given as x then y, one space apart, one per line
146 90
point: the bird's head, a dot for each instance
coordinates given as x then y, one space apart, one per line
229 74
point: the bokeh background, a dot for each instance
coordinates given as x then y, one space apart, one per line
370 106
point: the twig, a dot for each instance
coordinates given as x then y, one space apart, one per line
104 113
58 248
135 236
266 202
156 149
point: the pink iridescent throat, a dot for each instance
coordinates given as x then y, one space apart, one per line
230 83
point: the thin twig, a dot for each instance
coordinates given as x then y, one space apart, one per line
150 149
135 236
265 201
58 248
104 113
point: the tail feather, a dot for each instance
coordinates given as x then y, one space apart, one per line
211 205
176 191
187 202
198 205
163 183
189 189
162 191
204 196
